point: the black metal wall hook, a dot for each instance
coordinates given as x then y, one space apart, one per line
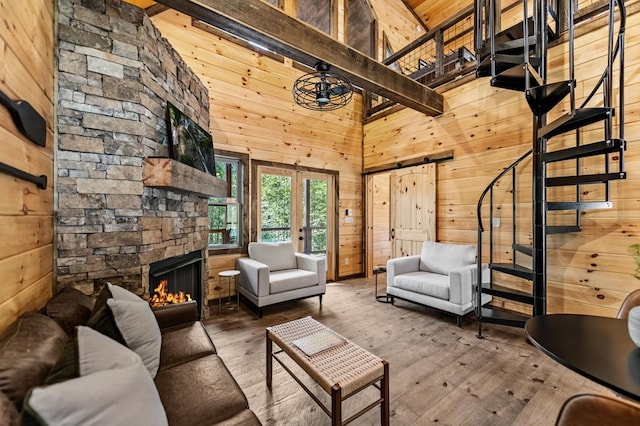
40 181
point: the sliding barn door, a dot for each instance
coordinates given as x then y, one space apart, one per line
413 209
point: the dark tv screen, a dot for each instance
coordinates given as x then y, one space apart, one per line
188 142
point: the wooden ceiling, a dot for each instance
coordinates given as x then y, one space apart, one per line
435 12
431 12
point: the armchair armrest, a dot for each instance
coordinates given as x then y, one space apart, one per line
254 276
401 265
314 264
176 314
461 282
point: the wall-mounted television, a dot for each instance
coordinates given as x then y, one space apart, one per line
188 142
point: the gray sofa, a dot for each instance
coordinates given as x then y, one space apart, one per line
192 385
441 277
274 273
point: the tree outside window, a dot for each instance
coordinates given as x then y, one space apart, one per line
225 213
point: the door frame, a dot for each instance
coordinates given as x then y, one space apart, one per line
332 207
373 198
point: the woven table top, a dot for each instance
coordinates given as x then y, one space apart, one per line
346 365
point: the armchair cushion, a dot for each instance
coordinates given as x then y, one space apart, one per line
291 279
277 256
428 283
444 258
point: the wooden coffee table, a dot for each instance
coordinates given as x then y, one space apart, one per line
342 370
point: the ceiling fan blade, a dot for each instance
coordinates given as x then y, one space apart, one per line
340 90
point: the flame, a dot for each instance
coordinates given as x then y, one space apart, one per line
162 297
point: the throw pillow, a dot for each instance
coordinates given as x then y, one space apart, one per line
134 325
28 351
90 352
110 291
121 396
9 416
120 293
70 307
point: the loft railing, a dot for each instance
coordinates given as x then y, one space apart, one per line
448 50
440 55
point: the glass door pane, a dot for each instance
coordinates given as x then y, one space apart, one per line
275 207
314 214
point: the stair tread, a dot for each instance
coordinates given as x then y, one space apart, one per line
510 268
508 293
503 316
513 46
516 32
587 150
503 63
563 229
575 120
542 99
578 205
526 249
584 179
515 78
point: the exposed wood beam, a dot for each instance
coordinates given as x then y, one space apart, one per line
155 9
432 158
257 21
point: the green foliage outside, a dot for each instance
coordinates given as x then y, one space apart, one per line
276 211
276 208
318 215
224 212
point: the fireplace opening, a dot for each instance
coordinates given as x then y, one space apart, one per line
171 278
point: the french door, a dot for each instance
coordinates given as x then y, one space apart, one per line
298 206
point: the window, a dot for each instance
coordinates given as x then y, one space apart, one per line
226 214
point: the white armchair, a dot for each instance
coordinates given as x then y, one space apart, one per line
274 273
441 277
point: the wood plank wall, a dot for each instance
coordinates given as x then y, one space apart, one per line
397 23
252 111
588 272
26 212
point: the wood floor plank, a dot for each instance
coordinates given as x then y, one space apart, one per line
439 373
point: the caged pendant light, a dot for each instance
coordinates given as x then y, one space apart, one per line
322 90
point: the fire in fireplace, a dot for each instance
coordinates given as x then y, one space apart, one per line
176 280
162 297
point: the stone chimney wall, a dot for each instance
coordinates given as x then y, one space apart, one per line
115 74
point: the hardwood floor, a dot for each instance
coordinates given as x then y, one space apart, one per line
439 373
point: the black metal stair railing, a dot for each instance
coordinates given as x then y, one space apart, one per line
489 287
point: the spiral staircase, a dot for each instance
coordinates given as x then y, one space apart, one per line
561 160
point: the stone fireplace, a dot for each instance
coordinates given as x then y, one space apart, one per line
178 275
115 75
